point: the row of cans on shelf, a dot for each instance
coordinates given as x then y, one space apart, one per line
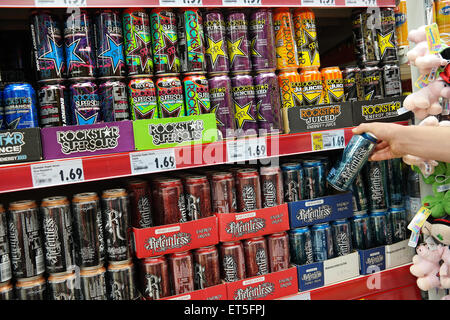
172 41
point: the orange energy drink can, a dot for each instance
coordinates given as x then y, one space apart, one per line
290 89
312 87
285 47
306 38
401 25
333 85
443 19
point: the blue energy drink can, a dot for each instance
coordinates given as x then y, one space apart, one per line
397 218
354 157
20 106
362 235
376 178
300 246
359 196
292 181
382 231
314 178
395 182
322 241
342 238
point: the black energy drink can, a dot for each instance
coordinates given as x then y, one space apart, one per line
392 83
386 38
372 83
352 83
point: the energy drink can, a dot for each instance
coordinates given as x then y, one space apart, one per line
120 282
285 46
53 105
142 97
220 95
278 248
365 38
137 41
382 233
141 203
387 43
322 241
395 182
233 261
268 103
62 286
114 102
47 46
362 234
271 186
262 40
292 181
207 267
246 114
376 177
169 201
300 246
5 260
93 284
401 24
248 190
314 178
397 217
306 38
163 26
216 52
196 93
290 89
181 266
355 155
372 83
170 97
256 256
190 40
333 85
154 278
312 87
342 238
392 83
85 103
442 13
198 196
20 107
359 197
33 288
223 192
2 112
352 84
7 291
237 41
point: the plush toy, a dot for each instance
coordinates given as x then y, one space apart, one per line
444 271
426 266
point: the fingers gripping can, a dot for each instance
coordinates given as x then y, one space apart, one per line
278 248
271 186
244 105
196 93
237 42
306 38
207 270
181 266
220 95
223 191
114 102
233 261
333 85
142 96
268 103
290 89
216 52
248 190
285 46
262 40
154 278
312 87
170 97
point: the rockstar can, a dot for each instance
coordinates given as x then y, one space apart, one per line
110 59
278 249
62 286
244 105
237 41
19 103
285 46
262 40
248 190
79 43
33 288
169 201
141 203
292 181
376 177
342 239
267 93
322 241
163 26
93 284
220 95
333 85
53 105
306 38
300 244
5 260
206 267
190 40
120 283
137 42
154 278
352 84
290 89
312 87
223 192
198 196
170 97
216 53
365 38
142 97
196 93
271 186
181 266
85 103
386 39
392 83
256 256
47 45
114 102
372 83
233 261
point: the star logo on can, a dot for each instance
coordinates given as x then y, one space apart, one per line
234 49
54 54
215 50
243 114
385 42
113 53
141 51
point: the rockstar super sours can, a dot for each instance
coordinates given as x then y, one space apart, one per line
246 115
85 102
170 97
196 95
114 100
221 99
53 105
143 98
290 88
237 41
268 104
216 52
306 38
372 83
262 40
285 46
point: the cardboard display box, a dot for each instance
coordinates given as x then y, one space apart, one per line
218 292
20 145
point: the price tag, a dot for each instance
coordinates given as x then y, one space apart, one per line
178 3
60 3
328 140
152 161
58 172
241 3
361 3
319 3
246 149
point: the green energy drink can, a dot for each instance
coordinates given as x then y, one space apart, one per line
142 97
170 97
196 95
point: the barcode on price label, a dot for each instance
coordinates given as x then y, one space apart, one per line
178 3
361 3
60 3
59 172
328 140
152 161
246 149
319 3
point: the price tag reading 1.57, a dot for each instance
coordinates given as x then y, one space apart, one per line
58 172
152 161
328 140
319 3
242 3
177 3
361 3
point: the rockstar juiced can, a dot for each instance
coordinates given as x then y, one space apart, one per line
286 49
306 38
237 41
333 85
312 88
290 89
216 53
262 40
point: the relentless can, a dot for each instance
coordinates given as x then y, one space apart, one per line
278 248
355 155
88 234
398 221
169 201
53 105
62 286
142 97
237 41
137 41
248 190
207 270
121 281
314 179
306 38
292 181
163 26
246 114
333 85
395 182
31 288
262 39
364 37
110 58
300 246
93 284
372 83
362 234
312 87
233 261
19 103
352 84
392 83
382 232
271 186
141 203
322 241
6 291
181 266
198 197
216 52
25 240
223 193
290 89
170 97
285 46
58 234
220 95
386 39
85 103
80 47
191 40
268 104
256 256
5 260
359 197
196 93
114 100
401 24
376 177
47 45
342 238
154 278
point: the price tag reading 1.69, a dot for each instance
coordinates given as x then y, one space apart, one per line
246 149
152 161
58 172
328 140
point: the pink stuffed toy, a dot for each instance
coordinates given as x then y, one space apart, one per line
426 266
444 271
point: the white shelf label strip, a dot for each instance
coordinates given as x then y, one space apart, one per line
152 161
57 173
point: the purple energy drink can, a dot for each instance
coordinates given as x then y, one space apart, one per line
244 100
85 103
216 42
114 102
222 105
262 40
237 41
268 103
